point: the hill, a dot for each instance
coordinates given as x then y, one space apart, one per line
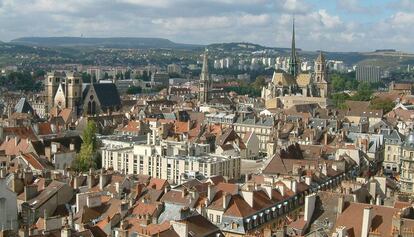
118 42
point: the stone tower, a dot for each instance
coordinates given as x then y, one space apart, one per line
53 80
205 83
74 90
321 76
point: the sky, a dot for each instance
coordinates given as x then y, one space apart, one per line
329 25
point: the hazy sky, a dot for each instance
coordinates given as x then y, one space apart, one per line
334 25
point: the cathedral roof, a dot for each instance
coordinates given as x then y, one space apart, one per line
303 79
283 79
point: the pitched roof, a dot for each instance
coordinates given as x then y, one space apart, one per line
107 94
352 218
238 207
23 106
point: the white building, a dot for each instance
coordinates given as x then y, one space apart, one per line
8 205
168 159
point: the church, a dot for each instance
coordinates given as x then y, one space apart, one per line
287 89
66 90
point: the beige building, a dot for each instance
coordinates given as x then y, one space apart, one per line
168 160
294 87
407 165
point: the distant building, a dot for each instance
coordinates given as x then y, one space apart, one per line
174 68
160 78
401 88
368 73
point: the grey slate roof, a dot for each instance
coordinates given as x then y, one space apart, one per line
107 94
23 106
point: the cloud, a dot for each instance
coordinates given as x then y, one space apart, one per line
265 22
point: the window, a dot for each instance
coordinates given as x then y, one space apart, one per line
211 217
218 219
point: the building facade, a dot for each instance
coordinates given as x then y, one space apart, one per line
368 73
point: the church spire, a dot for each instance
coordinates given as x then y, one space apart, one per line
204 70
204 85
293 65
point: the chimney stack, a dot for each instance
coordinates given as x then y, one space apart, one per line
366 221
340 204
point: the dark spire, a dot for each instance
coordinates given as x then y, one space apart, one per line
293 65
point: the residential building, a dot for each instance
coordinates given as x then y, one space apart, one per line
8 205
407 165
368 73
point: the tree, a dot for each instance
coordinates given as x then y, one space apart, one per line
127 74
174 75
339 100
87 157
364 92
259 83
133 90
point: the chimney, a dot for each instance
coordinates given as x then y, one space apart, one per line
93 201
226 200
281 188
184 192
181 228
66 232
103 180
341 231
30 191
366 221
166 189
309 206
118 187
325 139
76 182
210 192
373 189
248 197
3 173
16 141
268 190
341 204
308 179
294 186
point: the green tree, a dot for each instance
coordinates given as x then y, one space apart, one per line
133 90
339 100
87 157
364 92
174 75
127 74
259 83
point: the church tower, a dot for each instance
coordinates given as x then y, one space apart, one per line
53 80
294 62
74 90
321 76
205 83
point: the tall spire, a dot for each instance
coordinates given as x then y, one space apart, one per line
293 65
204 86
204 70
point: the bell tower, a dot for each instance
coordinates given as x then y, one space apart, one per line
53 80
74 90
321 76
